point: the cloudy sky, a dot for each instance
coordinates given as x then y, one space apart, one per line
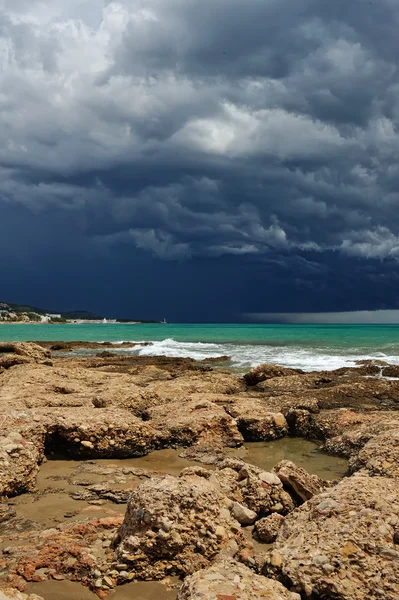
199 159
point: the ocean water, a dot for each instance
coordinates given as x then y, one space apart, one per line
308 347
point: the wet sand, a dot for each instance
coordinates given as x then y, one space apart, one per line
67 590
166 461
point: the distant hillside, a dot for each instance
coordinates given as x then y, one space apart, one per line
23 308
35 313
26 308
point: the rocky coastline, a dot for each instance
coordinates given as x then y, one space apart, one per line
218 528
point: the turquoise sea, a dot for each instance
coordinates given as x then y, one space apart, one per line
309 347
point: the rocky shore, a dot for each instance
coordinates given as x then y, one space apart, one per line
227 529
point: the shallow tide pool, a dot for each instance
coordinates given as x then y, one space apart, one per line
59 478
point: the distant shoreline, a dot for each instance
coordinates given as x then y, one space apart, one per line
76 323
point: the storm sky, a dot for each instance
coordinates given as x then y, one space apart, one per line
200 160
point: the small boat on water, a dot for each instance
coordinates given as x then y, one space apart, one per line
164 322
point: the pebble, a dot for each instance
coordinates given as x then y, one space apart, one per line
279 420
269 478
276 559
244 515
87 444
15 436
176 537
113 574
320 559
328 568
233 547
225 513
166 525
9 448
327 505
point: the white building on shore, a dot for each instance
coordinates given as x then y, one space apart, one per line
49 317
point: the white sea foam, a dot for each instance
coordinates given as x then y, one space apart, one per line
245 356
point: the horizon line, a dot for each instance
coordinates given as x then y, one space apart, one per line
355 317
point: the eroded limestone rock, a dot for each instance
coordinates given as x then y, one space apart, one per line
13 594
380 456
267 529
200 422
207 382
103 433
174 525
229 580
342 543
259 491
301 485
256 422
18 353
267 371
92 409
19 458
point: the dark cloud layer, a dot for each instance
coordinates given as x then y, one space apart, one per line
204 159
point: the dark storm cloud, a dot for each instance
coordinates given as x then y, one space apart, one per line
262 133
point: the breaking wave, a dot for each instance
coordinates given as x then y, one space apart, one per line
245 356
